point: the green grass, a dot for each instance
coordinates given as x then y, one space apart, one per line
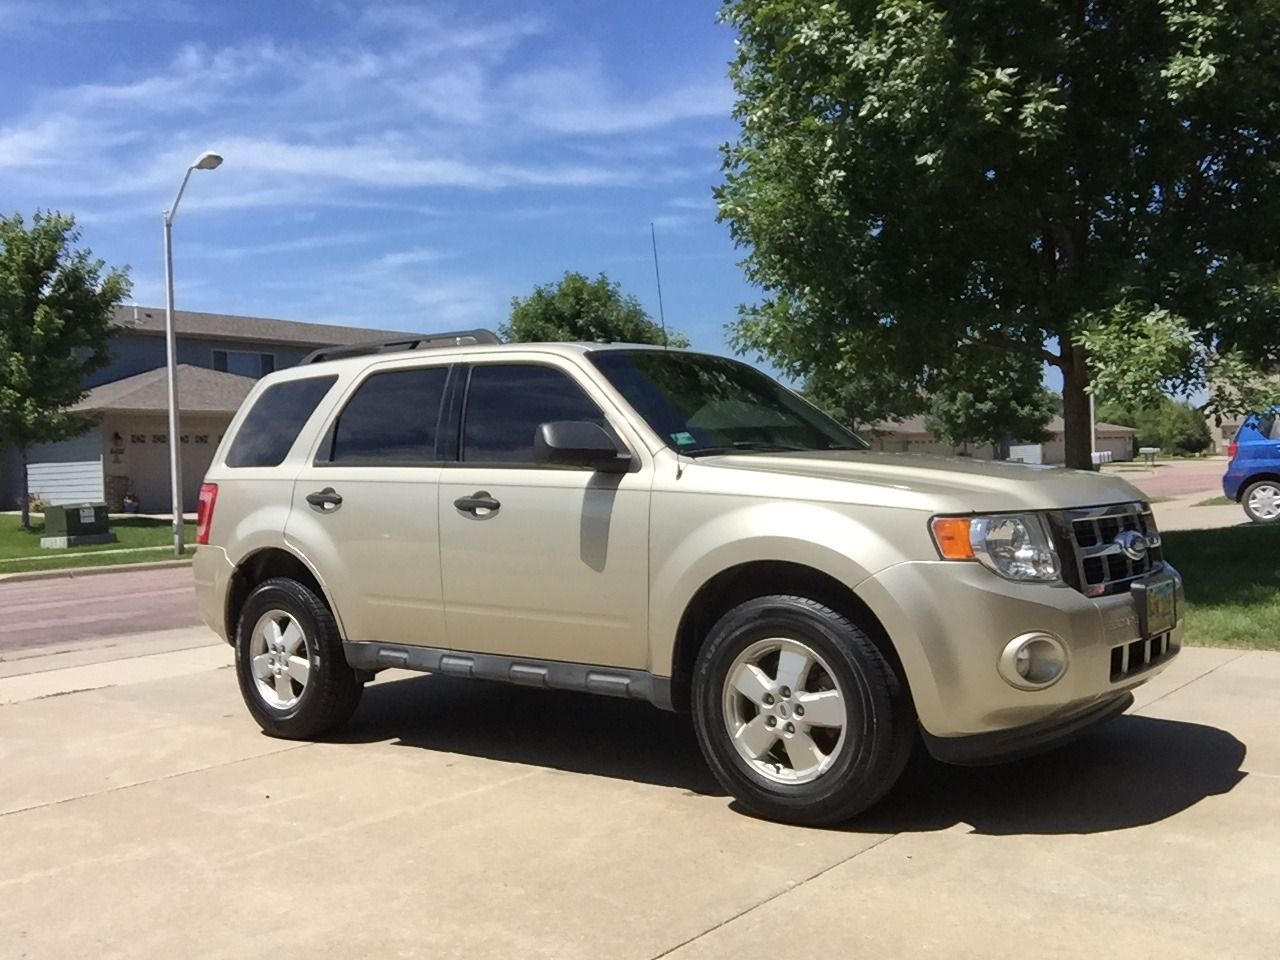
1232 578
20 549
1218 501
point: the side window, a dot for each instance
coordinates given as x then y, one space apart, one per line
391 419
506 403
273 423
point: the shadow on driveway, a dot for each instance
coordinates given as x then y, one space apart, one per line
1133 771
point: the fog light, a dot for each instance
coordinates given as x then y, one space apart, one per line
1033 661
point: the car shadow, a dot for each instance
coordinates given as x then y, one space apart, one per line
1127 773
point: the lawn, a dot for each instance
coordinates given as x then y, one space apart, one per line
1218 501
1232 580
20 549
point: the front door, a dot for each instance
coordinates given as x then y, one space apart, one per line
556 566
365 509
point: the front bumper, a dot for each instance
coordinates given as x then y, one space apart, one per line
950 622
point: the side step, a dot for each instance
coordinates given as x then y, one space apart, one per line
554 674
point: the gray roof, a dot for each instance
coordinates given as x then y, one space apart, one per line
916 425
199 391
223 326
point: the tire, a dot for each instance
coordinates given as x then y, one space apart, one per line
286 699
842 771
1261 501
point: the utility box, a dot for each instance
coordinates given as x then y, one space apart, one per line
76 525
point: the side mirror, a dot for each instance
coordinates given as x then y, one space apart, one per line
579 443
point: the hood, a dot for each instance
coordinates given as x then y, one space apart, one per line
939 483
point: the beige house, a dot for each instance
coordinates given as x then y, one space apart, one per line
913 436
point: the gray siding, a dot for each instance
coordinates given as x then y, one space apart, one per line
134 353
67 472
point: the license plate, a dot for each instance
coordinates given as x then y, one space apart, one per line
1157 605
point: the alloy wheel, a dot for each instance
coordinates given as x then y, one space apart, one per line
281 659
1264 501
784 710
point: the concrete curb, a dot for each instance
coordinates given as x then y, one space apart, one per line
70 572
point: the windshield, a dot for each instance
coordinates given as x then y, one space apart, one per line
699 404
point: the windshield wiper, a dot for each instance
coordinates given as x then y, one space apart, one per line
757 446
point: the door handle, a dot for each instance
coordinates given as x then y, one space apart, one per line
480 500
325 500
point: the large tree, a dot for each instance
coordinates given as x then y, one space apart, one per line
55 323
578 308
917 183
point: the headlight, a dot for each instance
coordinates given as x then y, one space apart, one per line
1014 545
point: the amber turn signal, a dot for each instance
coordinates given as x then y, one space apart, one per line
951 534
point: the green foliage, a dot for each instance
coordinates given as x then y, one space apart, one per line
577 308
991 402
1173 427
55 324
1092 185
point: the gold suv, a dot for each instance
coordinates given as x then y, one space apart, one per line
674 527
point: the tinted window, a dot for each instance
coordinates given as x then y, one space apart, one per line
702 404
506 403
391 419
272 425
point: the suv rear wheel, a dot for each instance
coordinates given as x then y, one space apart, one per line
1261 501
293 674
798 713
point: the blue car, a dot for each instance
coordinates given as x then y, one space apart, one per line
1253 475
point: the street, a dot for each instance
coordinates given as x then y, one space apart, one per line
65 612
141 811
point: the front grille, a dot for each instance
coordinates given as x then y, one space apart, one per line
1132 658
1095 562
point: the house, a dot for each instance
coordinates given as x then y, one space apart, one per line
126 448
913 436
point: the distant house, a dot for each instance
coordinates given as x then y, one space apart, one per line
126 448
913 436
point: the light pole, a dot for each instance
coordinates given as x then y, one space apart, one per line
206 161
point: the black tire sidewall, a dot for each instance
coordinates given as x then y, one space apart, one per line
870 690
313 711
1244 501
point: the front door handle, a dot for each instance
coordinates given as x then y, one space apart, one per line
325 500
480 500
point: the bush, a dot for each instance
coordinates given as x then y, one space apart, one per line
1176 428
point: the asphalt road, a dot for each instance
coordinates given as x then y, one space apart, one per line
66 611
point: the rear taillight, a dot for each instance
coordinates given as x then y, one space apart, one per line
1232 447
204 511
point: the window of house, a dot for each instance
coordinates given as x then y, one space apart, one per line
244 363
391 419
506 403
273 424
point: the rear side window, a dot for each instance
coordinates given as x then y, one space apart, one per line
507 402
391 419
273 423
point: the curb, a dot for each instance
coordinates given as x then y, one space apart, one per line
71 572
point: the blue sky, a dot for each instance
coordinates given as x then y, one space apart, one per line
406 165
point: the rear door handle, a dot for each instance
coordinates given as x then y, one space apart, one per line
325 500
480 500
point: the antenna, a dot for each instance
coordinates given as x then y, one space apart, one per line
662 314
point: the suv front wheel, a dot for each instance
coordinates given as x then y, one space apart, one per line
798 713
293 674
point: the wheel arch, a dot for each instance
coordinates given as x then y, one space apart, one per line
265 564
756 578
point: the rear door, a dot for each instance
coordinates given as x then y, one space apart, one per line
557 569
365 505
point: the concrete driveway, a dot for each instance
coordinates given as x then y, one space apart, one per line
142 814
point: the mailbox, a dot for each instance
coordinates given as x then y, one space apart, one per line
76 525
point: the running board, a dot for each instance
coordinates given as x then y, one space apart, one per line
553 674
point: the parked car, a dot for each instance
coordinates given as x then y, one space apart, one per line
677 528
1253 474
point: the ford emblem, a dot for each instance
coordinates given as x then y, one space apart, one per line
1132 544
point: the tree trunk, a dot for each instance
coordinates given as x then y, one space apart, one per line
26 498
1078 443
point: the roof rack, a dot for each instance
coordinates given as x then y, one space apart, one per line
422 341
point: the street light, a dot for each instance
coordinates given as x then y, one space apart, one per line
206 161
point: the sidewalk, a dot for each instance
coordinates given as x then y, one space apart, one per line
1181 513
